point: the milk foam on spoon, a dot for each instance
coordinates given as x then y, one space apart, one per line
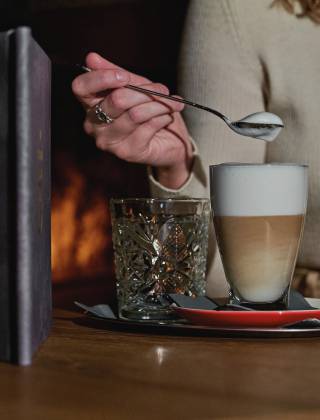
260 125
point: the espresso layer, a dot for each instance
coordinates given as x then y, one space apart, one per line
259 253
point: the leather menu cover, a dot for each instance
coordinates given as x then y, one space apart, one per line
25 173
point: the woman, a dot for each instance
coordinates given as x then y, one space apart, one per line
238 57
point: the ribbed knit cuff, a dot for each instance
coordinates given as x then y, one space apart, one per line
160 190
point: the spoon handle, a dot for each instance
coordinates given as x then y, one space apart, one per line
174 98
171 98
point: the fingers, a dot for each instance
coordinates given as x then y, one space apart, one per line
95 62
129 121
88 86
129 109
121 100
92 86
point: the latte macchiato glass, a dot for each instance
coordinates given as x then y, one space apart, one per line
258 213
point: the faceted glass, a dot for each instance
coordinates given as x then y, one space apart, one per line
160 247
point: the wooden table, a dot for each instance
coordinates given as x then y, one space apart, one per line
86 373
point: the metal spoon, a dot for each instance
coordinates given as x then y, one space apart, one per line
260 125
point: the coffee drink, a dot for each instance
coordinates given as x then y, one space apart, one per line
259 253
258 217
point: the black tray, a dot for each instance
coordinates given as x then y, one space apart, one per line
184 329
109 321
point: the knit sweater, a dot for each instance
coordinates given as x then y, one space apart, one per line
241 57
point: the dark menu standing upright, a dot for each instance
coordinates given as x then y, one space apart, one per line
25 267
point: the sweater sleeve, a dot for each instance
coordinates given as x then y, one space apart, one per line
217 70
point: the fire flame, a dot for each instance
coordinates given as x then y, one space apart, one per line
80 230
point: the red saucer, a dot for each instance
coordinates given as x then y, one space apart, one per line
239 319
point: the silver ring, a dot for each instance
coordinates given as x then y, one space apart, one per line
101 115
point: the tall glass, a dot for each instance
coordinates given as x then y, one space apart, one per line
259 212
160 247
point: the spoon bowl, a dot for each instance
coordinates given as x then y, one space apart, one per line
260 125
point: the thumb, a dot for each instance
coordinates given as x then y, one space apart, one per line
95 62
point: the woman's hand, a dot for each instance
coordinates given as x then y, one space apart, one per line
146 129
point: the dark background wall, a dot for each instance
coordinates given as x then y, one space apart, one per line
140 35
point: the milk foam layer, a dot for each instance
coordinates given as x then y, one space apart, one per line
258 190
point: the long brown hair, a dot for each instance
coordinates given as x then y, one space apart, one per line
301 8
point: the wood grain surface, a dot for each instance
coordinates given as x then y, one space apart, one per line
86 373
